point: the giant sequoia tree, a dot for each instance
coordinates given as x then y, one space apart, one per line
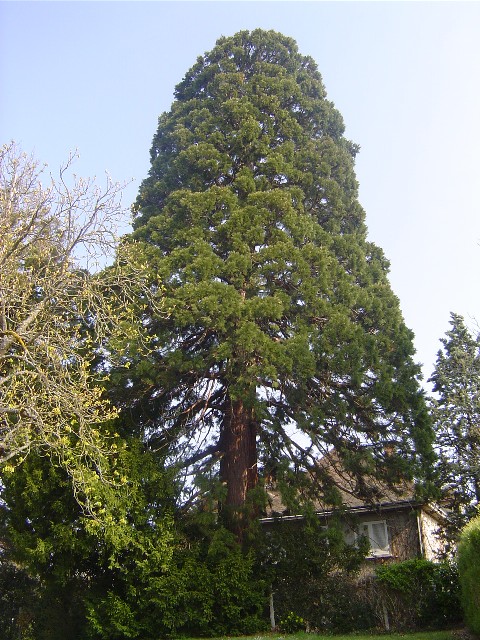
284 338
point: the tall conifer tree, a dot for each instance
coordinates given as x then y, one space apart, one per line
456 414
284 338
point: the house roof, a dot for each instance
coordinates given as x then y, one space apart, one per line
357 493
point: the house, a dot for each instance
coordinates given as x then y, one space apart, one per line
397 525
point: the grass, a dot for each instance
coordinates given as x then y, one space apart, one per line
423 635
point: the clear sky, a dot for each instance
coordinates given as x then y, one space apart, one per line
405 76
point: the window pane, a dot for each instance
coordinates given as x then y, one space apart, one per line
378 536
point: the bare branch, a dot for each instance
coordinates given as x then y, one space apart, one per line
54 314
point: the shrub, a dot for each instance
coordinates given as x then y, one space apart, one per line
208 589
345 610
292 623
18 600
312 572
418 593
469 573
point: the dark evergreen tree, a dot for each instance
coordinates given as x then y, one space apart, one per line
72 576
283 337
456 413
40 526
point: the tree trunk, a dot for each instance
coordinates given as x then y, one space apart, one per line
238 466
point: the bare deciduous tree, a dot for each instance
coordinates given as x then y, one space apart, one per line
55 316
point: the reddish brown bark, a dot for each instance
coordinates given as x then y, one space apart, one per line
238 466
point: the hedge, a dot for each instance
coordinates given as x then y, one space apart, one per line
469 573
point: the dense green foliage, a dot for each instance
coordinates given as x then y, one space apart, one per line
311 572
151 578
282 313
209 588
302 635
419 593
71 561
469 573
17 600
291 623
279 339
40 523
456 414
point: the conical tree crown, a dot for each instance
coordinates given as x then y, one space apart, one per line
280 307
456 414
253 115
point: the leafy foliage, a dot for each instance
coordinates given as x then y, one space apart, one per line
282 320
456 414
71 558
282 341
469 573
291 623
209 588
17 594
55 317
419 593
312 571
47 544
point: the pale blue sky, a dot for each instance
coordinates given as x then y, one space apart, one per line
405 75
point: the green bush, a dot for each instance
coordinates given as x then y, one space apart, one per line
469 573
208 589
18 600
313 573
418 593
292 623
345 610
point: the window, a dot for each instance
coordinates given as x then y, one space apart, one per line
377 534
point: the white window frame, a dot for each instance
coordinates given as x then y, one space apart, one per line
366 529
